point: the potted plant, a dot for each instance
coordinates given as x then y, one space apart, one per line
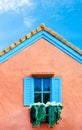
37 113
49 113
53 112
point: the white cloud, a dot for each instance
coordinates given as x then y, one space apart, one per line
29 22
58 8
22 7
57 3
14 5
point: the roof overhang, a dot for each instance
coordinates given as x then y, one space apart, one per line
47 34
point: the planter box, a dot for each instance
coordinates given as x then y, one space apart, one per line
48 113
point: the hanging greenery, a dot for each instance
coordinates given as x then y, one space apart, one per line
37 113
49 112
53 113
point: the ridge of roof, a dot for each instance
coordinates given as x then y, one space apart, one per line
40 28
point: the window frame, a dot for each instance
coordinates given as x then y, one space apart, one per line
56 90
42 92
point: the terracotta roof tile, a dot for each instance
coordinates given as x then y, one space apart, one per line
40 28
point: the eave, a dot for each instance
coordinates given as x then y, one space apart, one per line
49 35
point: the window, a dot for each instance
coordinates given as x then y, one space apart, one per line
42 90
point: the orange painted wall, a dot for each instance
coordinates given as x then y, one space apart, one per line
39 57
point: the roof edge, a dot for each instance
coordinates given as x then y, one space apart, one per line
40 28
59 37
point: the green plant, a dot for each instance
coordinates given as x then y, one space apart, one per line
37 113
49 112
53 113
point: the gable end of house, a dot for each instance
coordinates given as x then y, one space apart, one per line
47 34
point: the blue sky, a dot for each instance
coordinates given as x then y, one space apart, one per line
19 17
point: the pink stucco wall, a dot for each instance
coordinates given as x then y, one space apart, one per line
39 57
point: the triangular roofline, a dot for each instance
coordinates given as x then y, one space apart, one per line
49 35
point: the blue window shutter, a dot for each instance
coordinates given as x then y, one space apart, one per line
56 90
28 91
